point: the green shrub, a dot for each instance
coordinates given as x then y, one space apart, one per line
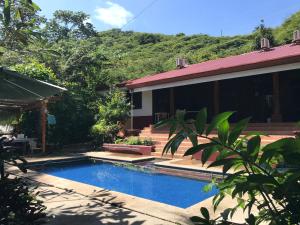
19 205
36 70
148 142
113 111
133 140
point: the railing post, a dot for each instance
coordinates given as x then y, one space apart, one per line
44 124
276 115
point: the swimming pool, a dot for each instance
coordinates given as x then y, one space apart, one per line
172 190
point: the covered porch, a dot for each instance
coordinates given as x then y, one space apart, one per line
268 98
19 93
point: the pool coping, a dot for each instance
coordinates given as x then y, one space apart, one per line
123 158
149 207
204 168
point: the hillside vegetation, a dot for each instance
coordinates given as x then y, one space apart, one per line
143 53
68 51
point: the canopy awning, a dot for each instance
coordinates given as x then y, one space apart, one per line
19 90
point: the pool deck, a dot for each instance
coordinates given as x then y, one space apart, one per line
79 210
119 156
191 164
98 155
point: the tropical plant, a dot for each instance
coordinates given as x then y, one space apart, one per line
134 140
265 180
36 70
68 24
19 23
18 204
113 111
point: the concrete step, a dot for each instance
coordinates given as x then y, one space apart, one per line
169 156
268 132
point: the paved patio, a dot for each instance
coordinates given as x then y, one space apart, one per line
67 207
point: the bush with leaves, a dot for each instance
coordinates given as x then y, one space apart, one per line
36 70
113 111
133 140
18 204
265 177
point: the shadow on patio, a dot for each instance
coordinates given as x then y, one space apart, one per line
69 207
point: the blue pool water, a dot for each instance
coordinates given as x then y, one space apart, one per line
172 190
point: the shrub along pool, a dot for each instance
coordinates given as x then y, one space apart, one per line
173 190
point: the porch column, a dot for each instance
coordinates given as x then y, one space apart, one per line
131 110
216 98
172 102
44 124
276 115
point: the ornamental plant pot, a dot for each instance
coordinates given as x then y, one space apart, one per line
132 149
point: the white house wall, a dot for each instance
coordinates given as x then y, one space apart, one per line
146 109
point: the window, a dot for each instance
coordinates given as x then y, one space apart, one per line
137 100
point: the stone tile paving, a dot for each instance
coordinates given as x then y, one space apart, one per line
69 208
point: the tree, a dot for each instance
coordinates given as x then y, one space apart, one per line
36 70
69 25
19 23
263 32
265 177
148 39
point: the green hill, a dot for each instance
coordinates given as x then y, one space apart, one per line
139 54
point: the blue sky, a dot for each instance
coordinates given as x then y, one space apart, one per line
232 17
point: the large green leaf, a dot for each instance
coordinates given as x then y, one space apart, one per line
208 151
177 141
223 162
173 127
217 120
192 135
204 213
218 199
273 149
197 148
260 179
174 142
223 130
253 146
201 120
162 123
237 130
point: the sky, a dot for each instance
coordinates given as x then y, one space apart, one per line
213 17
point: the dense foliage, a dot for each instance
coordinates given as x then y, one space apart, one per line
264 180
18 204
86 61
134 140
113 112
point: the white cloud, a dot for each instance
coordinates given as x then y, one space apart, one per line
114 14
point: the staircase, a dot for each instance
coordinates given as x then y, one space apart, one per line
274 131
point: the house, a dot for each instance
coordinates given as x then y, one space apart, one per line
264 84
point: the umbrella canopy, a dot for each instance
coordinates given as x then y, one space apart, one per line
19 90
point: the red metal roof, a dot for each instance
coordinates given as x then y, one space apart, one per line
254 60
